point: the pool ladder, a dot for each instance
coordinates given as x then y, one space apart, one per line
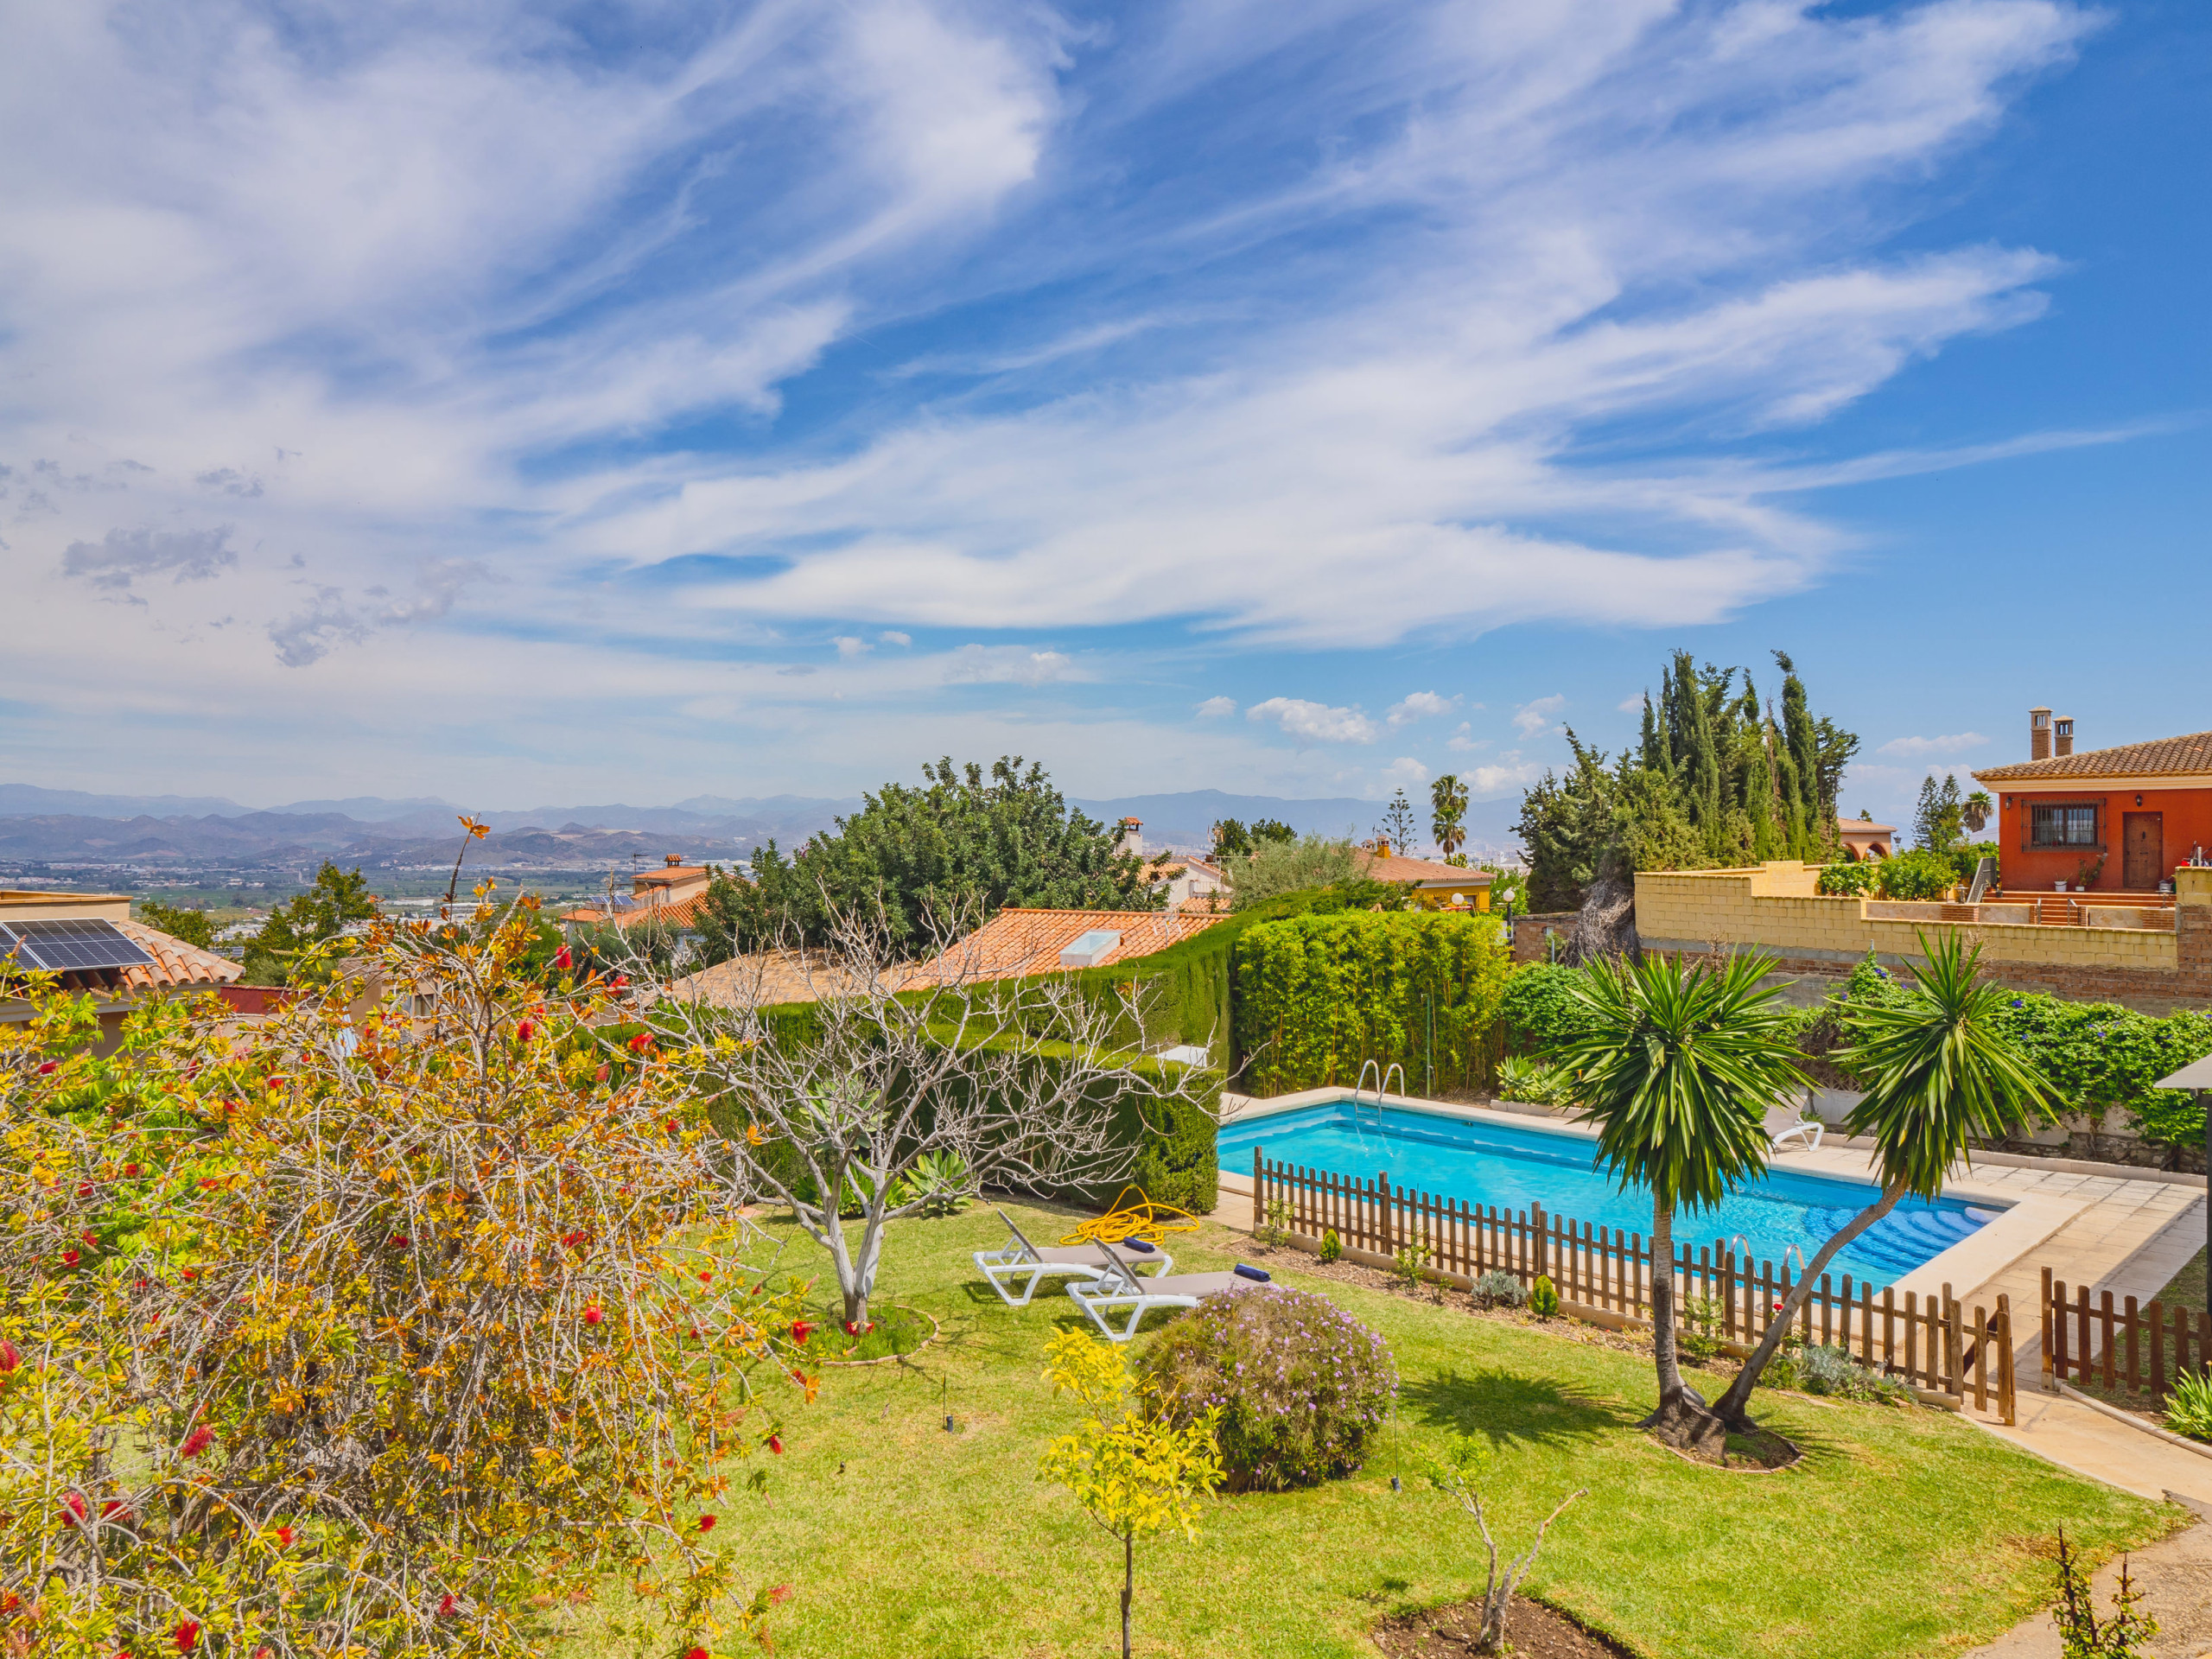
1382 1087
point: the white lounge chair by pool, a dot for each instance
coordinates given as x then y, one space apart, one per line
1805 1131
1017 1260
1106 1299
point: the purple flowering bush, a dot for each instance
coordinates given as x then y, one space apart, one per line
1299 1384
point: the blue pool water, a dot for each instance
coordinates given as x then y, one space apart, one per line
1513 1167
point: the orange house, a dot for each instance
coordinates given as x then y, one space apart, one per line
2118 820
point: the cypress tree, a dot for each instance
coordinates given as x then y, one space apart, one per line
1804 756
1654 754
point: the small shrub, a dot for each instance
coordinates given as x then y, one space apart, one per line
2188 1409
2120 1636
1819 1370
1699 1333
1333 1248
1276 1229
1543 1298
1849 880
1919 874
1409 1262
1298 1382
1530 1082
1498 1288
939 1182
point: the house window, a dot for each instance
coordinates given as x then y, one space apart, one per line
2061 826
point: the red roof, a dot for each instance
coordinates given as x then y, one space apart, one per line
2168 757
1017 942
684 912
1427 872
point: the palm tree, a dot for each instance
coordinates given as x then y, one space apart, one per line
1974 810
1941 1074
1449 798
1677 1069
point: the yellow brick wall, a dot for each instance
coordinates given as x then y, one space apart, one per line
1774 906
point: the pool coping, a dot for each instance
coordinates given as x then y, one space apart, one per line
2023 1224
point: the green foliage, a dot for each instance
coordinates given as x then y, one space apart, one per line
1713 780
1942 1073
1543 1297
1410 1263
1919 874
2082 1635
1496 1288
1300 1386
1529 1081
1319 994
957 849
1232 839
192 926
2189 1408
1276 868
937 1180
2099 1057
1678 1066
1333 1248
1397 825
1851 880
295 928
1966 857
1540 1008
1447 799
1508 887
1938 818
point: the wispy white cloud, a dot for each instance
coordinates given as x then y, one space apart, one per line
1538 714
1315 722
1418 705
1217 708
475 291
1914 748
1463 742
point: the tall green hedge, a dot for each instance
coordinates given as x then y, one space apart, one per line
1320 995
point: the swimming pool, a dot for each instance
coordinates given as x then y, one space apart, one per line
1510 1166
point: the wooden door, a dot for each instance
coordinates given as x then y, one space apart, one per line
2143 851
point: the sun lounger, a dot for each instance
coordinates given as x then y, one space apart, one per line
1118 1301
1019 1262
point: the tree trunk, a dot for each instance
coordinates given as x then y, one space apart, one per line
858 1281
1734 1407
1682 1420
1128 1585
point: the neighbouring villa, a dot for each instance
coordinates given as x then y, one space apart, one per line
2102 821
1864 838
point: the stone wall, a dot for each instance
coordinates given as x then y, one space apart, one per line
1820 939
1531 934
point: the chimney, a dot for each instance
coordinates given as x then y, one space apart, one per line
2062 729
672 859
2038 733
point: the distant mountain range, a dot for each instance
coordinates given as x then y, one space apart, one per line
70 826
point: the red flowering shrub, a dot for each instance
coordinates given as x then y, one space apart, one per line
381 1324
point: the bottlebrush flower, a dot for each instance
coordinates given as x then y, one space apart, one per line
49 1068
400 1241
641 1042
69 1258
284 1536
600 1076
84 1189
562 960
776 1444
72 1507
447 1606
801 1330
187 1635
852 1329
696 1653
706 1523
621 982
114 1511
705 1278
592 1315
131 1172
524 1029
10 1355
196 1442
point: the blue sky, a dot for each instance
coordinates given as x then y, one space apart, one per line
537 403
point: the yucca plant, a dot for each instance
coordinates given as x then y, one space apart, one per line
1677 1066
2189 1408
1941 1074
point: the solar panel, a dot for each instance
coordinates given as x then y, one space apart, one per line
61 945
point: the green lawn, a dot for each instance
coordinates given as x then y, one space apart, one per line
1903 1532
2187 1286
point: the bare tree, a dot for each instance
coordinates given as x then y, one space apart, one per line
905 1085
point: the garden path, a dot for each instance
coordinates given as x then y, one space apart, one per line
2175 1577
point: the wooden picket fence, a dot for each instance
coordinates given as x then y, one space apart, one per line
1932 1343
2142 1349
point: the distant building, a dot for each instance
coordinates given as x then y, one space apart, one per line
672 894
1436 886
2120 820
93 947
1189 882
1019 941
1864 838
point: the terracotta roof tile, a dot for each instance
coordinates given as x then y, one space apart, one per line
1864 827
1428 871
1016 942
761 978
176 967
2189 756
682 913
